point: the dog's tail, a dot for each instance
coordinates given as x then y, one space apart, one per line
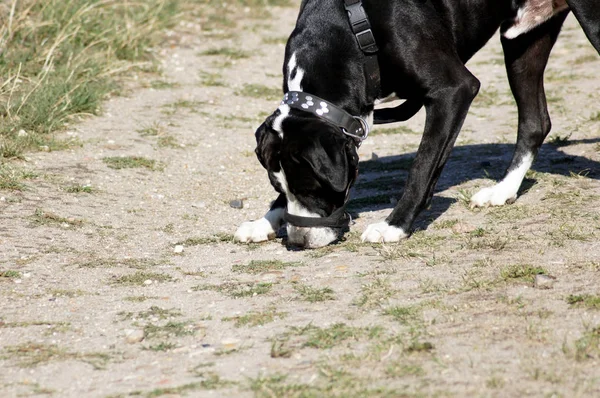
401 113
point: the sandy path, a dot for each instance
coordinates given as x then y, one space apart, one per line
452 311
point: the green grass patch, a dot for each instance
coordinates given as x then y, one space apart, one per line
61 58
228 52
154 312
521 272
10 274
313 294
133 263
325 338
238 290
259 266
404 314
169 329
45 218
132 162
584 300
395 130
31 354
255 318
11 178
588 346
139 277
260 91
206 240
80 189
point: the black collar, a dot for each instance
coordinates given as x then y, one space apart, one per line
353 126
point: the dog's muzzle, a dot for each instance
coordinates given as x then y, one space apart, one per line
338 219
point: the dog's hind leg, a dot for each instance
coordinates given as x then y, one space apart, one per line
265 228
587 13
526 58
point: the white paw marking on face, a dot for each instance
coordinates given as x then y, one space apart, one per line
532 14
506 190
294 84
260 230
307 237
382 232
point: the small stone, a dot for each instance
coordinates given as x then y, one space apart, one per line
237 203
544 281
148 282
3 199
134 336
44 148
178 249
230 344
199 205
22 133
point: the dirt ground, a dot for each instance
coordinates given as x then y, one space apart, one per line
122 282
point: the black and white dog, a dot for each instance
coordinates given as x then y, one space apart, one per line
423 48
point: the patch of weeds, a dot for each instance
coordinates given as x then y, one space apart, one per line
132 162
153 312
153 130
404 314
80 189
10 274
588 346
313 294
140 299
401 369
189 105
212 79
33 354
238 290
206 240
211 382
62 58
168 141
255 318
558 140
495 382
259 91
494 242
325 338
228 52
417 346
133 263
584 300
445 224
66 293
259 266
163 85
487 98
11 177
163 346
375 294
275 40
46 218
170 329
521 272
140 277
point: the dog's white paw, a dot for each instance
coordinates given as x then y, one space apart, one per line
383 232
498 195
255 231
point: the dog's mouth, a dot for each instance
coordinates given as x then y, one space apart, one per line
312 238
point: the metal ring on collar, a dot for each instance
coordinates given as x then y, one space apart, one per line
365 127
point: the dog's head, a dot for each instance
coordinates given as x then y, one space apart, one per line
313 163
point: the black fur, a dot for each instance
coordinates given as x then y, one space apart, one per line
424 45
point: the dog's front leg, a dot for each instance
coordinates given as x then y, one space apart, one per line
446 107
265 228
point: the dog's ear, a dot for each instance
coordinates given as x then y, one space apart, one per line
329 161
268 145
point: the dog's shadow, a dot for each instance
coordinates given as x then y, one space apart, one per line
381 181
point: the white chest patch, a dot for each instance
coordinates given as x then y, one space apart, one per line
532 14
